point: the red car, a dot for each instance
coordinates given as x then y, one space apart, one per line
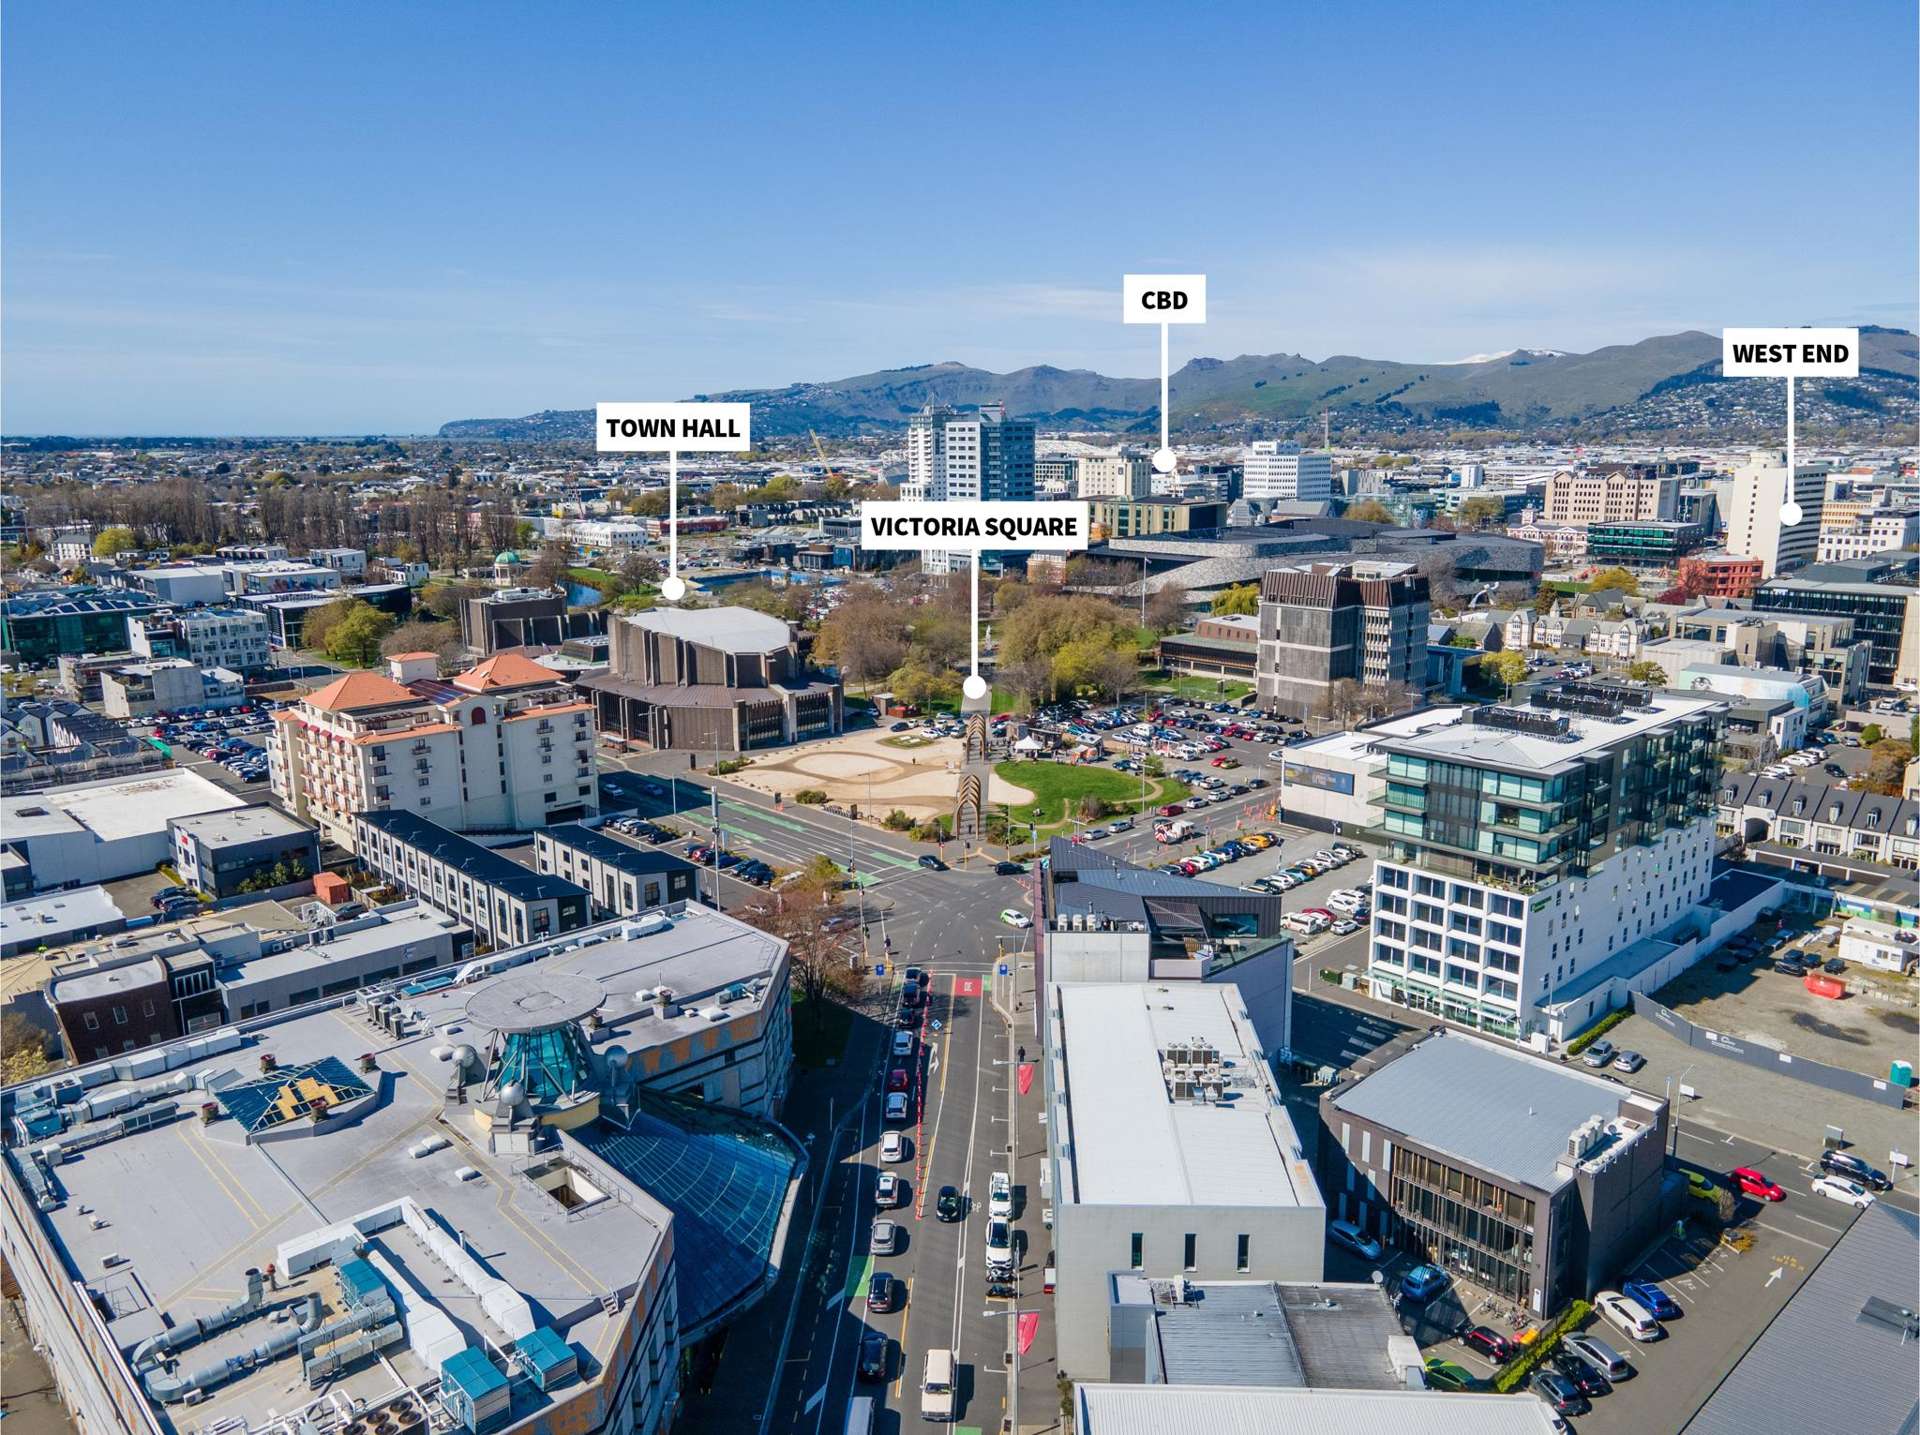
1490 1343
1319 912
1171 809
1752 1183
897 1079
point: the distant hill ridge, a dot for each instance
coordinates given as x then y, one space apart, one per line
1672 380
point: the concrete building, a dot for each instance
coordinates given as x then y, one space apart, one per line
1876 531
168 685
1139 518
221 852
1537 1181
502 747
349 563
1528 846
1336 783
505 903
1113 475
1104 919
1821 645
523 617
1755 527
1611 493
180 585
287 612
282 576
236 638
712 679
955 456
101 831
1756 685
1878 594
36 628
1322 623
1169 1153
56 918
623 880
480 1187
1261 1410
1282 470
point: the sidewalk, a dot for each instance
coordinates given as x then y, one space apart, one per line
1038 1394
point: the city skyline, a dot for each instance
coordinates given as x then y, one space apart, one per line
407 218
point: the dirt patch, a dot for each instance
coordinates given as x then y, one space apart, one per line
1901 1021
867 770
1808 1022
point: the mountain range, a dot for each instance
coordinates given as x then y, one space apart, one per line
1670 384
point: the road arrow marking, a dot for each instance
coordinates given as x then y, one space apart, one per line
1777 1272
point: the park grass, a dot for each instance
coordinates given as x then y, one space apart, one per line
906 740
1058 786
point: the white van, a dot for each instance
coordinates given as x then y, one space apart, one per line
1629 1315
936 1387
1305 923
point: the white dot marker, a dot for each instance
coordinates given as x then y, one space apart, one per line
1164 461
975 687
1791 514
673 589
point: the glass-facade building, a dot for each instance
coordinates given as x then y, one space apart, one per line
1509 831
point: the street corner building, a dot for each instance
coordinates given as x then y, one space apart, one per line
503 1196
712 680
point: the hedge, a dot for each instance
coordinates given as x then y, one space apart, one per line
1543 1346
1599 1029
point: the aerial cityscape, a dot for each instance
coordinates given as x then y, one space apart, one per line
683 749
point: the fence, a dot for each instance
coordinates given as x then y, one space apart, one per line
1768 1058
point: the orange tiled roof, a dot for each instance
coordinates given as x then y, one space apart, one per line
408 657
358 690
402 734
504 670
553 711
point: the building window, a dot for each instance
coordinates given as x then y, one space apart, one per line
1138 1257
91 1020
479 716
119 1016
1243 1256
1192 1251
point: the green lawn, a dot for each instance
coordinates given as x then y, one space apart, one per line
1056 786
1212 690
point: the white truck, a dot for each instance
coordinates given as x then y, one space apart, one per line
1174 830
1000 1195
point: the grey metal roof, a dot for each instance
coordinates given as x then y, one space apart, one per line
1503 1111
1269 1333
1249 1410
1864 1370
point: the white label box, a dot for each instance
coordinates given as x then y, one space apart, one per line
1164 298
1790 353
673 428
1051 526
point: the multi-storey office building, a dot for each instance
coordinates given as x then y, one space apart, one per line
1612 493
1880 597
1529 844
524 617
1113 475
1756 517
234 638
505 903
1874 532
1282 470
1137 518
502 747
1535 1180
36 628
956 457
1324 622
1643 542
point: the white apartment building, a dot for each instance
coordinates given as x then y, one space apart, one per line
1527 846
502 747
1875 532
1114 475
1271 469
213 637
955 457
279 576
67 546
608 534
1755 528
349 563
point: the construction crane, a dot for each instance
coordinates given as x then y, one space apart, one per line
820 449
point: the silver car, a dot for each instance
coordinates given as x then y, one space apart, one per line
885 1240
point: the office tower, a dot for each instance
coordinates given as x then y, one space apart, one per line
1281 470
1325 622
1612 493
1114 475
1755 525
982 456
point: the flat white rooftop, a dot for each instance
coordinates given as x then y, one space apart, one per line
54 918
1255 1410
1130 1143
734 630
118 808
1447 735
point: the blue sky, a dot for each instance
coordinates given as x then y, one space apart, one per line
340 218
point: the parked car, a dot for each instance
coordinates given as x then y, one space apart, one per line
1598 1356
903 1043
1559 1393
1629 1062
1754 1183
1445 1375
1345 926
1599 1056
1581 1376
1628 1314
897 1079
1489 1342
1345 1233
1839 1188
1423 1283
1649 1294
999 1244
1844 1163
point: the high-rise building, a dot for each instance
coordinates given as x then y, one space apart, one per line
503 747
1612 493
1756 525
1114 475
1281 470
1528 845
1326 622
955 457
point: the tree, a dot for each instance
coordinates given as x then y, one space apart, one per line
725 497
649 505
1462 640
1369 510
111 542
1508 667
1167 608
1605 578
922 687
420 636
1345 700
1693 577
550 567
357 636
318 628
23 1048
443 599
637 570
1887 765
1645 670
1481 511
1045 625
866 636
1871 734
1242 600
817 961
